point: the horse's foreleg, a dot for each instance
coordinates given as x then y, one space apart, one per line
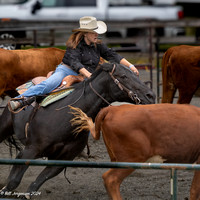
18 171
46 174
68 152
112 180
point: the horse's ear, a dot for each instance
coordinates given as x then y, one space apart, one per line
107 66
148 83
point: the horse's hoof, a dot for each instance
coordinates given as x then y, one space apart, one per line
5 193
83 155
26 196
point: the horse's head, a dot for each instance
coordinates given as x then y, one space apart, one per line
124 85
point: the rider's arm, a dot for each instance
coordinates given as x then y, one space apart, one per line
85 72
110 55
125 62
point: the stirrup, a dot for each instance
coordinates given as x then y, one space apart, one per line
22 102
15 103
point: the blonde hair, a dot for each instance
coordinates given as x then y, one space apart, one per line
75 39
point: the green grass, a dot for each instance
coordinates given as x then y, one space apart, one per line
134 58
31 47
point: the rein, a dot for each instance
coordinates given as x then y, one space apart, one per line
98 94
74 101
132 95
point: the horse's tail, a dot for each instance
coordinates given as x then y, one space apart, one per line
6 126
7 131
83 122
168 85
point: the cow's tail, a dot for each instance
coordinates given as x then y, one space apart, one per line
83 122
167 81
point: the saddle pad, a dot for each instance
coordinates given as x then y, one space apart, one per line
56 96
22 88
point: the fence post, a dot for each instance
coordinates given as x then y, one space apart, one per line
151 53
158 67
173 182
52 35
35 38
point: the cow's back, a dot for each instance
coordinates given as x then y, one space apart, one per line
185 65
180 70
19 66
44 58
168 130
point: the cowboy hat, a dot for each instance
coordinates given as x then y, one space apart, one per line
90 24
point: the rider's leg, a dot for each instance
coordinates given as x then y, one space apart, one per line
44 87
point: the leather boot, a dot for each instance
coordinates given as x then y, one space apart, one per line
14 104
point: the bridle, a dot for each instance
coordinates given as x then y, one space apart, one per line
130 93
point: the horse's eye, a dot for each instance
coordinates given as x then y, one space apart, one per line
123 76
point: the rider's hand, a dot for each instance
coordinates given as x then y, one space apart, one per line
134 69
85 72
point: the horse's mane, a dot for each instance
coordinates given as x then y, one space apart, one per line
100 68
94 75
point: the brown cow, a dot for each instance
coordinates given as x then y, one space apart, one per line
180 70
20 66
136 133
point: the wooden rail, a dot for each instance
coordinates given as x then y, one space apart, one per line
150 40
53 27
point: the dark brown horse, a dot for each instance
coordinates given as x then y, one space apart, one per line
180 71
20 66
48 133
167 133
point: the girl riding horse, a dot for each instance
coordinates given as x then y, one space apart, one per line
82 56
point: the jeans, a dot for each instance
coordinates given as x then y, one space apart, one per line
49 84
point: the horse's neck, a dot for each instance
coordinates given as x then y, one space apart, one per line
92 102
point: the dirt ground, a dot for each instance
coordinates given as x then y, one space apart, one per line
87 184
